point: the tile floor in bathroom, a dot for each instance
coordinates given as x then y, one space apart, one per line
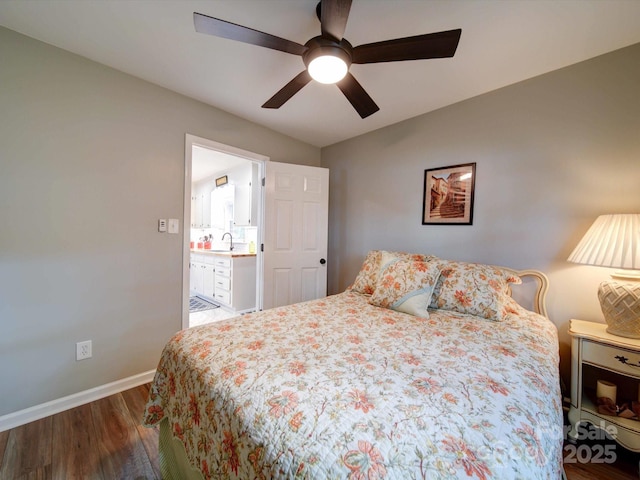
209 316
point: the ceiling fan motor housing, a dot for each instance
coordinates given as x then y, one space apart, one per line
319 46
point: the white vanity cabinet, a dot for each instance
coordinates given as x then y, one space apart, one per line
235 281
223 280
229 279
202 275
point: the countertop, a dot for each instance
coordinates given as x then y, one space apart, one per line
226 253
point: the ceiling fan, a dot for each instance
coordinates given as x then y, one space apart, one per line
329 55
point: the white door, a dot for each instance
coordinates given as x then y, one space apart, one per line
295 233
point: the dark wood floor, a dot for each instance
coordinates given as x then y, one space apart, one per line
100 440
586 461
105 440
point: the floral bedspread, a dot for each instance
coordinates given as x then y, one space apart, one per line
337 388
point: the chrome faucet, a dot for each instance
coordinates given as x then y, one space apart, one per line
231 237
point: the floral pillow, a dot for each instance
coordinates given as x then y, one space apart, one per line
367 278
406 285
474 289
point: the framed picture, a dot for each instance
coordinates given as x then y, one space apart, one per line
448 195
221 181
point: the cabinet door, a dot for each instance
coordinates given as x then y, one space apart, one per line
198 277
208 281
246 197
242 206
205 200
196 212
193 273
201 208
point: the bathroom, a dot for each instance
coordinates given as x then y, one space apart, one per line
224 202
223 235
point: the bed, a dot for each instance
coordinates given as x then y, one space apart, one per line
423 368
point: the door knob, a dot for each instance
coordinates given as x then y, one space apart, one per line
322 261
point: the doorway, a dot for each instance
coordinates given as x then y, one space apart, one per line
217 177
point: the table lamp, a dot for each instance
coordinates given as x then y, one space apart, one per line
614 241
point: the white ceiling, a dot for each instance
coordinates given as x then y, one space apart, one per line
503 42
205 163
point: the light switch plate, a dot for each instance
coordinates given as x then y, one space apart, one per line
162 225
174 225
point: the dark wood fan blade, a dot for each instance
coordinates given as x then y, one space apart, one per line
333 18
288 91
232 31
357 96
420 47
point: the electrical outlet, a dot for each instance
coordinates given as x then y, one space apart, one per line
83 350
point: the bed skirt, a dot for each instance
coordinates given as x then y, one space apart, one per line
174 464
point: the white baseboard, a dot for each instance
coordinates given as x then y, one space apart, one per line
21 417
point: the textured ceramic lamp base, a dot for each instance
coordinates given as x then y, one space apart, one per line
620 304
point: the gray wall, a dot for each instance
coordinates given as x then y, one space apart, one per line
552 154
90 158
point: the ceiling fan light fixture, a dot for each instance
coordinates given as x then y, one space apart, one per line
327 64
327 69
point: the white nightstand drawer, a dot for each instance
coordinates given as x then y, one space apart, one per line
614 358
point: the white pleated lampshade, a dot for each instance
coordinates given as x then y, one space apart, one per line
612 241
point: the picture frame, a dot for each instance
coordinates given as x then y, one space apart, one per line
220 181
448 195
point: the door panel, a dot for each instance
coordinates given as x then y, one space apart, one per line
313 185
310 233
311 277
284 221
282 282
296 228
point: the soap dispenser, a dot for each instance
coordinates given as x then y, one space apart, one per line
252 247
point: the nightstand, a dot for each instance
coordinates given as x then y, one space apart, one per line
598 355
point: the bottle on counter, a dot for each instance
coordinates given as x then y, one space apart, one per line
252 247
